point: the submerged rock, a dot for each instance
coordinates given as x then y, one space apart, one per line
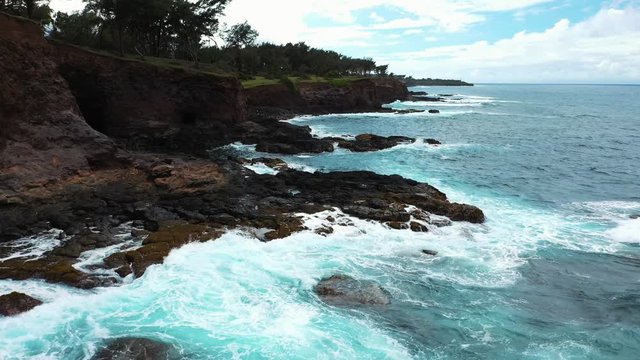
434 111
634 216
430 252
16 303
137 349
432 142
345 290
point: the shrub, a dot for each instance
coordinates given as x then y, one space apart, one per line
286 81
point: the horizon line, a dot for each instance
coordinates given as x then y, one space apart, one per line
552 83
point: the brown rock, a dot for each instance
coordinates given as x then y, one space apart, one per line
345 290
136 349
16 303
417 227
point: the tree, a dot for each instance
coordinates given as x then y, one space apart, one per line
33 9
82 28
239 36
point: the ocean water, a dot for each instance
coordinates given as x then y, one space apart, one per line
554 273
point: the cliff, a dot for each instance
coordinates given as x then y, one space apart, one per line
43 135
324 97
151 107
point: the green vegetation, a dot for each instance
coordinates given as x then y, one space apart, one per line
410 81
295 80
181 33
37 10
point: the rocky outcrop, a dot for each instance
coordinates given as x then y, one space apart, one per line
344 290
325 97
148 107
43 136
371 142
16 303
137 349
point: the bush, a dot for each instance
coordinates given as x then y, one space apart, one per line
340 82
286 81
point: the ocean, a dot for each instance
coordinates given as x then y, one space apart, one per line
554 273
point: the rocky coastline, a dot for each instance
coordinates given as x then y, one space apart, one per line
90 143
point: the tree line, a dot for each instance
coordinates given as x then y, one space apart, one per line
186 30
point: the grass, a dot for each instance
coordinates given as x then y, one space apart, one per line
262 81
178 64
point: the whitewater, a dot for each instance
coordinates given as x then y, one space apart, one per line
552 274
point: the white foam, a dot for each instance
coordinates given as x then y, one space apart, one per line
627 231
261 168
301 167
31 247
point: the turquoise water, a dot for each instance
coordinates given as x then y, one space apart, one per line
552 274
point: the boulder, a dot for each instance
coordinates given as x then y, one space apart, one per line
432 142
434 111
408 111
16 303
417 227
430 252
345 290
136 349
371 142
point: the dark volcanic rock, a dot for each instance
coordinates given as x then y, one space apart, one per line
137 349
430 252
273 136
16 303
152 107
429 98
408 111
371 142
418 227
634 216
324 98
418 93
345 290
432 142
434 111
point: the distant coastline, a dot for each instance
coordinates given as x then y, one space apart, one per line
409 81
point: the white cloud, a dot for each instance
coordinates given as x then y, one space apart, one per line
413 32
376 18
66 5
602 48
283 20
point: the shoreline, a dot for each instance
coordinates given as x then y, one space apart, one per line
107 143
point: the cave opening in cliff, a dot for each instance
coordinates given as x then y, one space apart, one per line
189 117
90 98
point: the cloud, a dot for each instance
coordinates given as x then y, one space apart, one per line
66 5
376 18
413 32
285 20
602 48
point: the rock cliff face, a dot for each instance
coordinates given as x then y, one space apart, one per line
43 135
151 107
323 98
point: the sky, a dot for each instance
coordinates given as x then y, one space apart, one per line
483 41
